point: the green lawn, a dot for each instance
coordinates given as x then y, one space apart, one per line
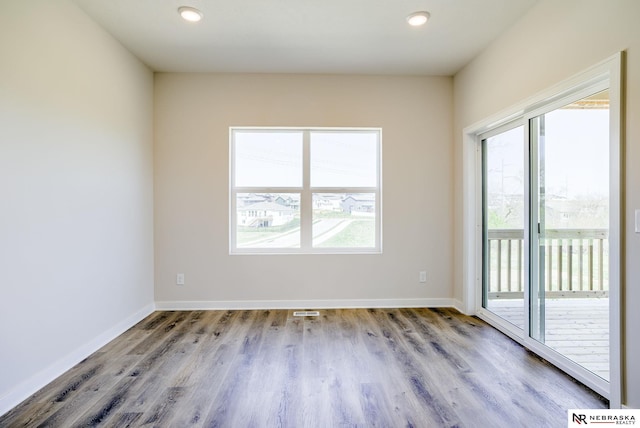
250 234
317 214
360 233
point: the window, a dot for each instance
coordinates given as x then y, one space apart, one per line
305 190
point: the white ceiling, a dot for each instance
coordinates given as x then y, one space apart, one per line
306 36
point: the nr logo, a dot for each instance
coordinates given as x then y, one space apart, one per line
580 419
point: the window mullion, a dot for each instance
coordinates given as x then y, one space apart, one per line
306 203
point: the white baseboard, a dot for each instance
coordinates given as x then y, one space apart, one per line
30 386
459 305
179 305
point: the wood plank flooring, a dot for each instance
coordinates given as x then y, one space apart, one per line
345 368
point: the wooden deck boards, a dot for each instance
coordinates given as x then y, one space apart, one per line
578 328
356 368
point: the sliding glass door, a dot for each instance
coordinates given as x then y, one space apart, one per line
569 306
504 219
546 231
545 240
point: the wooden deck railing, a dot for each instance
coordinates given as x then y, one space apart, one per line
575 263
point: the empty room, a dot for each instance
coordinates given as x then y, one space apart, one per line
319 214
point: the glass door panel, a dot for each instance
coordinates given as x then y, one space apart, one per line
569 231
503 225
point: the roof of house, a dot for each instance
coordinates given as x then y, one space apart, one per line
361 198
265 206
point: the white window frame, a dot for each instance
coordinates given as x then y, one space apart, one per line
306 195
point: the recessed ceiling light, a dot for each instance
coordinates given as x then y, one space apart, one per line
190 14
417 19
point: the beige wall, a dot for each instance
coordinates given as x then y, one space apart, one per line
554 41
76 201
192 119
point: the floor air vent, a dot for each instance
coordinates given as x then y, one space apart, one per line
306 313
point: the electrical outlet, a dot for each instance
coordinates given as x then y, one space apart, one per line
423 276
180 279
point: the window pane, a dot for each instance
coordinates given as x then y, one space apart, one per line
570 288
504 205
344 159
268 220
344 220
268 159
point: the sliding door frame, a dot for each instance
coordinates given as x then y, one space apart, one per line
610 72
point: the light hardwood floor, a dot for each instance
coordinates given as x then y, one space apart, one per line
345 368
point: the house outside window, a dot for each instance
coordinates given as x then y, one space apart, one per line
305 190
